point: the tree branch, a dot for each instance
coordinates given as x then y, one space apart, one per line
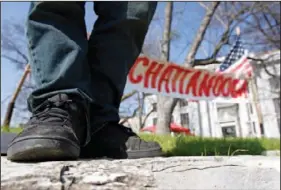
207 61
212 59
10 45
21 63
268 37
189 60
127 96
224 40
127 118
146 117
216 15
264 66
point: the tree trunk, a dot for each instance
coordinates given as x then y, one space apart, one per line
165 105
165 108
140 102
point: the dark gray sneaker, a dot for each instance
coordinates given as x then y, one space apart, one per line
55 131
119 142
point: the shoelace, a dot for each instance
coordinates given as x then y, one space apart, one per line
52 112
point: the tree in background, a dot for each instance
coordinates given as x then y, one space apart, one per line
259 22
165 105
14 49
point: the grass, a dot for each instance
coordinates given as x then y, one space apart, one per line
198 146
11 129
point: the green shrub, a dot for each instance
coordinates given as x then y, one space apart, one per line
197 146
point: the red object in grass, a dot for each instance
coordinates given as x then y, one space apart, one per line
173 127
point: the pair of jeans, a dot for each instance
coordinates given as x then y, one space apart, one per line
63 60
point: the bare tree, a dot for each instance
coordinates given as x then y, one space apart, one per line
259 23
166 105
13 43
259 18
263 29
14 50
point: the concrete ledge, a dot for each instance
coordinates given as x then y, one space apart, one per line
271 153
239 172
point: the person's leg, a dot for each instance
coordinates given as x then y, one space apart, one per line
114 45
58 45
57 42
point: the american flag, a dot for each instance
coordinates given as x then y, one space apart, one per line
236 62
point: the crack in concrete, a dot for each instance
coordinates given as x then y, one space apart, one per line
195 168
165 168
65 184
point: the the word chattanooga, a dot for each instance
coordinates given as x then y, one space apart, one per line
172 79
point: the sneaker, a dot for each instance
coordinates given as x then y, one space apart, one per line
55 131
119 142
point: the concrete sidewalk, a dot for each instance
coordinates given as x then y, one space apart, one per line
239 172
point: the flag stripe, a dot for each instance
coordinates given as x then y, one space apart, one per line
236 62
236 66
242 69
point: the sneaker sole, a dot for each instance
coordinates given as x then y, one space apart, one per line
145 153
42 149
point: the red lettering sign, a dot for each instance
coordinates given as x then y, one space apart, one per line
193 83
174 78
206 85
152 73
137 79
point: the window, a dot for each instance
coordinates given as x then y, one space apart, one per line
262 129
274 84
154 106
184 119
229 131
172 119
183 103
154 120
254 126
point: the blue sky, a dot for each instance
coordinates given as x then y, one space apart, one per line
187 17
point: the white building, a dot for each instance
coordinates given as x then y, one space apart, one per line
214 119
268 85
